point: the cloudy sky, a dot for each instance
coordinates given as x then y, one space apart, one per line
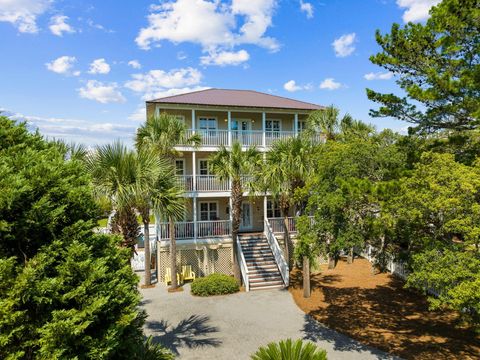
82 70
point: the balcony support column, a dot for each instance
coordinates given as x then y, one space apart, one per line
195 235
194 170
193 121
264 120
229 125
265 209
295 124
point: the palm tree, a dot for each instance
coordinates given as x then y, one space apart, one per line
286 169
159 135
118 174
167 200
235 164
149 187
327 121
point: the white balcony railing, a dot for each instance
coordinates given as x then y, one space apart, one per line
248 137
277 224
245 137
213 228
183 230
185 182
211 183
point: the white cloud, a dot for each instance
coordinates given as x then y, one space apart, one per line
330 84
174 91
80 131
158 82
307 8
292 86
216 26
140 114
98 26
99 66
103 93
63 65
223 58
344 45
181 55
23 13
135 64
58 25
416 10
378 76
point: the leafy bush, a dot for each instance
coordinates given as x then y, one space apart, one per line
214 284
290 350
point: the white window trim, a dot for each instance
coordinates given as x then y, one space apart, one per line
242 119
280 125
180 117
199 215
184 165
198 167
207 117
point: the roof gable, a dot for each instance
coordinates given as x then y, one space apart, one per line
240 98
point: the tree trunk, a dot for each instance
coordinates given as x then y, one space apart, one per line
331 261
128 223
306 277
173 253
350 256
146 244
236 214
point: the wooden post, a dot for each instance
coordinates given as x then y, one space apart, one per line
306 277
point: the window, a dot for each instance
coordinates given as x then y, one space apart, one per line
203 167
208 211
179 167
302 125
272 126
273 211
208 123
180 118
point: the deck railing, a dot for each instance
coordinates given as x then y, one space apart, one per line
183 230
185 182
211 183
277 224
245 137
243 265
213 228
277 252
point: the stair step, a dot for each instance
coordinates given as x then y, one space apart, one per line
255 246
267 287
259 260
264 268
265 277
266 283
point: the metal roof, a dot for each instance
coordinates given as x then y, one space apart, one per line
240 98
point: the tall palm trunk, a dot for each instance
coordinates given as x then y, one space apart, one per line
173 253
146 242
128 223
237 194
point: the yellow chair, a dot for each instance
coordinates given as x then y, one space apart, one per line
168 276
187 273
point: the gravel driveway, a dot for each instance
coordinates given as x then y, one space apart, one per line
234 326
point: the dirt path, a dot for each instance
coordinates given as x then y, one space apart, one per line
377 311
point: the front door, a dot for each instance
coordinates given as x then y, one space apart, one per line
246 220
242 131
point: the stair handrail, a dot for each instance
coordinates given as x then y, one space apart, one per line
278 253
243 265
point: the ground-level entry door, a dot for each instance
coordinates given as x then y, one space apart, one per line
246 220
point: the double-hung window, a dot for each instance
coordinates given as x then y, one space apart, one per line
203 167
208 211
208 125
273 210
179 167
272 128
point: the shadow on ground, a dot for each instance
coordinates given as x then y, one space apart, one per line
191 332
378 311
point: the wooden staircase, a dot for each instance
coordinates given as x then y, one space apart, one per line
263 272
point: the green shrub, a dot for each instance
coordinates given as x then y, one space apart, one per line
290 350
214 284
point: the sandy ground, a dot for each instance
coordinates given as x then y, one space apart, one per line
377 311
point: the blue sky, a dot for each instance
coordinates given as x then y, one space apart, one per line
82 70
